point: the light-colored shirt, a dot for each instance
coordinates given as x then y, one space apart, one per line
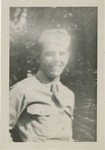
36 115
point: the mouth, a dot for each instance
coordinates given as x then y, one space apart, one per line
56 67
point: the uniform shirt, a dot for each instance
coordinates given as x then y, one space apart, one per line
35 113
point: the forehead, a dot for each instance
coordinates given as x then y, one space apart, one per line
53 47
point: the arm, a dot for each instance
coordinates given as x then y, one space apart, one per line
70 102
72 105
16 105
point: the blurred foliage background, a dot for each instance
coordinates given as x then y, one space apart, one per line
80 75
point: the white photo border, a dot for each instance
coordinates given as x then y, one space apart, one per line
4 135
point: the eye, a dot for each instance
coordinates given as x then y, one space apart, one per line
62 53
49 53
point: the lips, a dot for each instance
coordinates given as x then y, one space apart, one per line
56 68
56 65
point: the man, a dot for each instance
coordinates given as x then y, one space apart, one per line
41 107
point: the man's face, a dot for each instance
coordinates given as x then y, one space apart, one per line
53 60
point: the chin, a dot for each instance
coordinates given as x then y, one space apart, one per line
54 76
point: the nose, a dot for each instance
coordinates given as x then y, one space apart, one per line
57 57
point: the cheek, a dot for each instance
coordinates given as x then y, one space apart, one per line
65 59
45 61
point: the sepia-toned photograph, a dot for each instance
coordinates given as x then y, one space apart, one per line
53 74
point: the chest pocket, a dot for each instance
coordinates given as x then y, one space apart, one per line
40 109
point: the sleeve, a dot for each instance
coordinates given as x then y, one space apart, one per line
16 105
70 101
72 104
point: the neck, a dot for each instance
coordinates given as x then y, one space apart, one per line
43 78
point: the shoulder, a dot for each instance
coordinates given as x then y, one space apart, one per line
67 94
66 90
27 81
21 85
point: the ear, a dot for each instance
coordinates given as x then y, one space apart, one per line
37 60
37 57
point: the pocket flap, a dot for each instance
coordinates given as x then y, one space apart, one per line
39 109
